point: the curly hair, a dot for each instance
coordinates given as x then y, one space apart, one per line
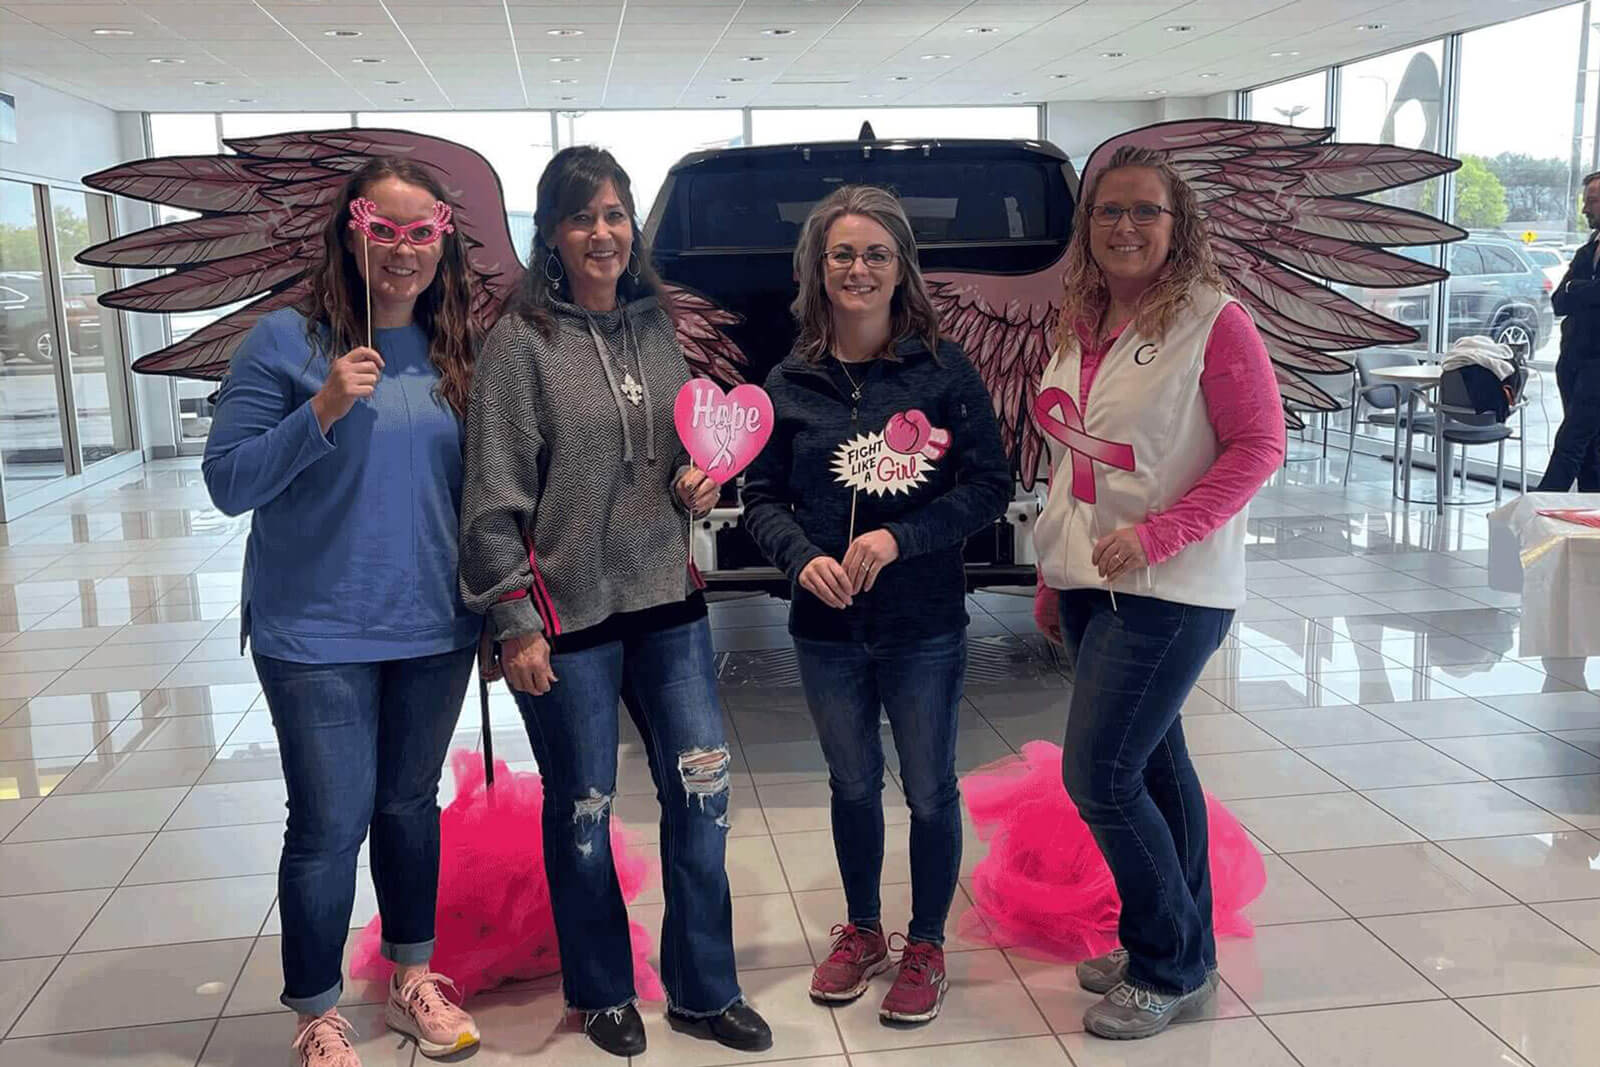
336 307
911 311
569 181
1190 261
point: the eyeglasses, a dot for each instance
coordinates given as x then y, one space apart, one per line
876 258
1142 214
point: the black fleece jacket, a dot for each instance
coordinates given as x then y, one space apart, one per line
798 498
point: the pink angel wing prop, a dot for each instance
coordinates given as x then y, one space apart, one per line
699 322
1284 212
258 237
1006 324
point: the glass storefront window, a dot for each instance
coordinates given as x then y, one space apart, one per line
786 125
93 350
1299 101
648 143
32 433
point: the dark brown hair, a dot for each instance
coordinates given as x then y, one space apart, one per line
911 312
570 180
336 307
1190 261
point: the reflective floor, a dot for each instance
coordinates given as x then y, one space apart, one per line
1428 803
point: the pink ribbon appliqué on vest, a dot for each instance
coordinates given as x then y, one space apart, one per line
1087 450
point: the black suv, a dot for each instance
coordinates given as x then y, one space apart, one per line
726 222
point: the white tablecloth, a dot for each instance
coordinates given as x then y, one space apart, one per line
1555 565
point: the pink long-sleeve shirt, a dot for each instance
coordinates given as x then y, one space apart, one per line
1241 395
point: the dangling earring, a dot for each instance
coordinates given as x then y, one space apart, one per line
635 268
556 277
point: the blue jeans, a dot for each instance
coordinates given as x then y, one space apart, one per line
362 746
667 680
919 684
1127 769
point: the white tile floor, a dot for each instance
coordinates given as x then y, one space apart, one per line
1429 803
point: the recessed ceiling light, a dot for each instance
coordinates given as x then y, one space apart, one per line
566 59
564 33
166 60
1060 77
1180 29
899 77
752 59
206 81
341 33
872 96
1014 92
937 55
735 79
242 100
367 60
563 81
776 32
106 31
406 99
982 29
1112 55
1155 92
1210 74
390 81
1373 26
1281 55
564 98
719 96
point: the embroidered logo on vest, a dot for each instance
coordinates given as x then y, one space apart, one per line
1086 449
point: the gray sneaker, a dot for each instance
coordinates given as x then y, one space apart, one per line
1104 973
1128 1012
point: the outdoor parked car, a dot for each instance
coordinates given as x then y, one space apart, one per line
27 331
1550 260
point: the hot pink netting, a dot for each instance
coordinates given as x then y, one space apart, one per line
1044 884
495 922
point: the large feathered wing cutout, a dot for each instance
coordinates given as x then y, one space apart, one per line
262 212
1284 210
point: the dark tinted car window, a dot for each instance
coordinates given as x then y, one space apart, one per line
946 201
1502 261
1465 261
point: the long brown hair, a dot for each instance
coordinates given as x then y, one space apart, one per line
911 312
570 180
336 307
1189 263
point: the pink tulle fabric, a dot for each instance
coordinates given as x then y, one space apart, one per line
1044 884
494 921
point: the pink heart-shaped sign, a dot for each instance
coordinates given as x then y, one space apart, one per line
723 432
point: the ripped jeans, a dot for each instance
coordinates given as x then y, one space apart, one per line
668 683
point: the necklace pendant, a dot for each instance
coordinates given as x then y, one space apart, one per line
631 390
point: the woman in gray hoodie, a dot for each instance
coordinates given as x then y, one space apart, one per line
575 544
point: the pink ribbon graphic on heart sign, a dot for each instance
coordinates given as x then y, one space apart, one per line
1087 450
724 432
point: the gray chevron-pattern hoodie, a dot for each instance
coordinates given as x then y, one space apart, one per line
568 515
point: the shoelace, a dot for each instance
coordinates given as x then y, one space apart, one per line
318 1031
1116 956
424 990
915 957
614 1014
848 941
1131 996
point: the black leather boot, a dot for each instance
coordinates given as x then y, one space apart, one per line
619 1032
740 1027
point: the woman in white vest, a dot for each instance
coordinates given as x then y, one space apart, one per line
1162 414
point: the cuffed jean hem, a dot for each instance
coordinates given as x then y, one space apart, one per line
407 955
1151 987
630 1002
919 939
316 1005
684 1013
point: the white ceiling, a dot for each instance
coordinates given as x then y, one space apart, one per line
472 54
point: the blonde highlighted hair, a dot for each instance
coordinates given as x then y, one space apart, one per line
911 311
1190 262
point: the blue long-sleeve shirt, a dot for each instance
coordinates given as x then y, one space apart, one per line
352 550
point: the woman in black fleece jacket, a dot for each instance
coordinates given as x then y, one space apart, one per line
884 459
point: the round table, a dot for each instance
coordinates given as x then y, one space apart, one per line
1419 379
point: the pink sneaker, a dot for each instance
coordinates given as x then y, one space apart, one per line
420 1010
857 955
919 988
325 1042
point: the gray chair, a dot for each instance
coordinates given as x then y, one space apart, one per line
1465 425
1386 404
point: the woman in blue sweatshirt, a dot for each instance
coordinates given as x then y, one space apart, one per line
885 457
350 458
